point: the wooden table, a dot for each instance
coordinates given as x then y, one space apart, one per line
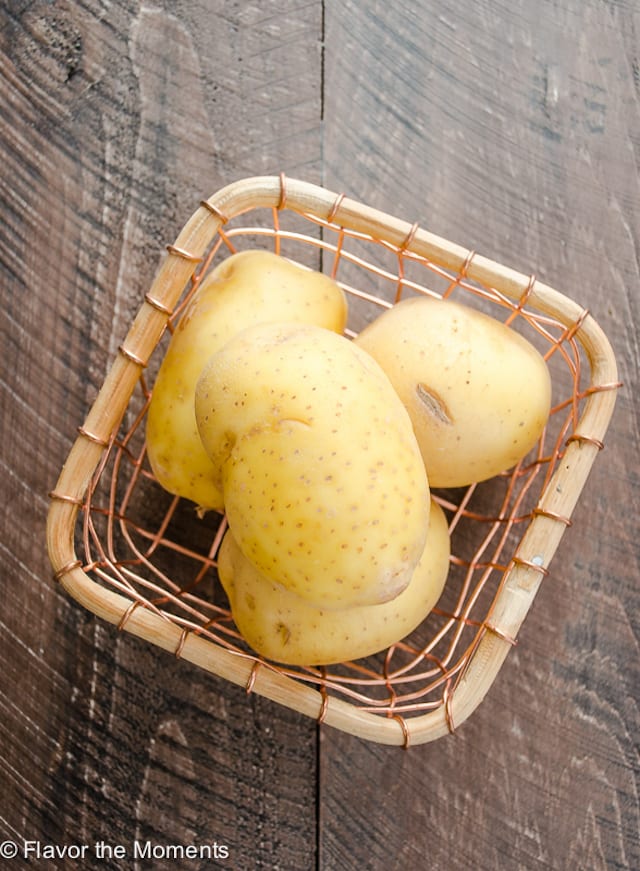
513 129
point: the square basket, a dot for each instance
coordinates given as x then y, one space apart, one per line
146 561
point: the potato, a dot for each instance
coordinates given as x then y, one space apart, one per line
246 288
323 482
283 627
477 392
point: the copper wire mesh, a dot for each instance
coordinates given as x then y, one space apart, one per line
158 551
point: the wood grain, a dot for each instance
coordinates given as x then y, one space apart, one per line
489 127
116 123
513 129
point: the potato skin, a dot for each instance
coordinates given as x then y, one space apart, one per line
249 287
283 627
323 482
477 392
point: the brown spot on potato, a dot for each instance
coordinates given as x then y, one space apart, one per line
284 632
434 404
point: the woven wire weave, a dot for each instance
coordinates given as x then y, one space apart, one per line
160 553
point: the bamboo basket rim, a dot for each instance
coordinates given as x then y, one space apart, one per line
533 555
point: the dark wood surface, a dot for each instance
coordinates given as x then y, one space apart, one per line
513 129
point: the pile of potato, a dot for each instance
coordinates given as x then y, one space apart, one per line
322 450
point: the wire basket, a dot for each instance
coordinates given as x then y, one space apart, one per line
146 561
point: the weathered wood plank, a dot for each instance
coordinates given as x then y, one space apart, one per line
116 122
494 127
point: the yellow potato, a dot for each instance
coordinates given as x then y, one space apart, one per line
323 482
283 627
477 392
246 288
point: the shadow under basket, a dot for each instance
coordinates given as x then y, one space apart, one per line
146 561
